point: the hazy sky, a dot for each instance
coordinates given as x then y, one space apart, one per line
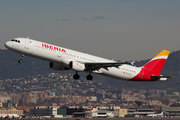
114 29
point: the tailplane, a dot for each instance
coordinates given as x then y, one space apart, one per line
156 64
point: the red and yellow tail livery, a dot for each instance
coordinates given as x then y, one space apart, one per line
151 70
157 63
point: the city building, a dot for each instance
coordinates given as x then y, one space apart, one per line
11 111
123 112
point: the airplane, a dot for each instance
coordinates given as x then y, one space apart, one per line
61 58
9 116
156 115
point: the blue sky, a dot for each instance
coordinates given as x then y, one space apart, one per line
114 29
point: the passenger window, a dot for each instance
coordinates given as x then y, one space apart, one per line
18 41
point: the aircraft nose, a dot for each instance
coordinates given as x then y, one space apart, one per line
7 44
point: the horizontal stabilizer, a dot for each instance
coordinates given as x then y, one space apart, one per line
161 76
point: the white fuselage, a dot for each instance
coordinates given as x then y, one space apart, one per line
56 54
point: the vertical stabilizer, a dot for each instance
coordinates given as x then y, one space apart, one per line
156 64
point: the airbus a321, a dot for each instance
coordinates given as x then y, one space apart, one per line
61 58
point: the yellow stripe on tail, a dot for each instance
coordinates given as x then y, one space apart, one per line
163 53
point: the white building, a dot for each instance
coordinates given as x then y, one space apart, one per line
102 113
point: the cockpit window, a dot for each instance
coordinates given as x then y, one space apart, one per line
16 40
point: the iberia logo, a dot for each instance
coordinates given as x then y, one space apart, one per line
53 48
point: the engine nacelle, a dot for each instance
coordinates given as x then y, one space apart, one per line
56 66
76 66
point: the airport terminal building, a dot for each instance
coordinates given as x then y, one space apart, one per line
171 111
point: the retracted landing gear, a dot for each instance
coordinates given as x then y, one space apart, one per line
89 77
21 60
76 76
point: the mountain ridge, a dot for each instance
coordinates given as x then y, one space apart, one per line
10 68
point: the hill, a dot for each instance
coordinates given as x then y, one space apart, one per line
10 68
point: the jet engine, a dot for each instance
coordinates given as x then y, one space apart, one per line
76 66
56 66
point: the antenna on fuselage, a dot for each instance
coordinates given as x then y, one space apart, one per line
27 37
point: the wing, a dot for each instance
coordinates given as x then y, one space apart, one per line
91 66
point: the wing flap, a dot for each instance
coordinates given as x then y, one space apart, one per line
97 65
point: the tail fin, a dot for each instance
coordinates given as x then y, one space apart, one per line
156 64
